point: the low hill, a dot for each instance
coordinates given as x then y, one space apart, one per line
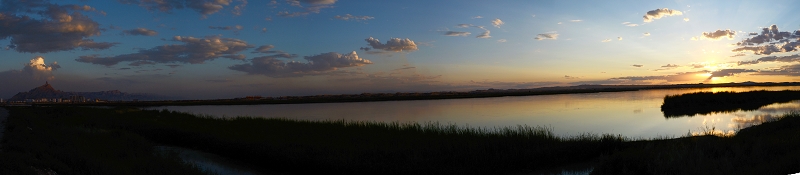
47 91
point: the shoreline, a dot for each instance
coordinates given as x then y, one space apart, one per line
374 97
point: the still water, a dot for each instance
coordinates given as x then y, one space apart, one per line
634 114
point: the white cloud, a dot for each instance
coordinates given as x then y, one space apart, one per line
497 22
619 38
575 20
485 34
606 40
393 45
502 40
544 36
322 64
646 33
658 13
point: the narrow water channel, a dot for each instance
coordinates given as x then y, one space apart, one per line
209 162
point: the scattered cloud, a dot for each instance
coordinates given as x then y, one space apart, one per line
204 7
575 20
193 51
686 19
719 34
637 65
782 59
322 64
570 77
497 22
58 28
477 17
667 67
236 27
456 33
313 6
485 34
670 65
787 70
606 40
348 17
771 40
739 55
140 31
237 9
549 35
619 38
658 13
646 34
393 45
502 40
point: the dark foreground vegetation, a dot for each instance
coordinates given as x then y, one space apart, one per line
113 141
711 102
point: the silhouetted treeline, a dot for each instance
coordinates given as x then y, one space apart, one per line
710 102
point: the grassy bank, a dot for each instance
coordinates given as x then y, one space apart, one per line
40 141
769 148
709 102
334 147
99 141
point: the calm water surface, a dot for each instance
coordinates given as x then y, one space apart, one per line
633 114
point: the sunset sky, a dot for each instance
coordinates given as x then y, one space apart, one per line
203 49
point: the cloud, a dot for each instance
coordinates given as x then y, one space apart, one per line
570 77
729 72
782 59
204 7
670 65
264 49
516 85
658 13
393 45
485 34
502 40
193 51
619 38
739 55
771 40
606 40
646 34
544 36
140 31
667 67
497 22
55 28
719 34
685 19
315 7
237 10
637 65
575 20
787 70
321 64
236 27
477 17
348 17
35 69
456 33
697 76
632 25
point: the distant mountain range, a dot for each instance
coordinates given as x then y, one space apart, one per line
47 91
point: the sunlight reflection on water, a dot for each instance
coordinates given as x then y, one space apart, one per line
634 114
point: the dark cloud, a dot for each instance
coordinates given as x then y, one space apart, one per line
738 55
140 31
771 40
784 59
192 51
204 7
514 85
60 27
321 64
658 13
313 6
236 27
729 72
348 17
637 65
719 34
788 70
393 45
34 73
456 33
670 65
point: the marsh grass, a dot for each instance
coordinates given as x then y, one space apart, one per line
691 104
340 146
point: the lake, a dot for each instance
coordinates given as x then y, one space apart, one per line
634 113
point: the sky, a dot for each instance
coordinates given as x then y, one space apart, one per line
209 49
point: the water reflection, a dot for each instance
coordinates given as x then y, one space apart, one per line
567 114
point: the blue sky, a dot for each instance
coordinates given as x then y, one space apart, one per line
231 48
